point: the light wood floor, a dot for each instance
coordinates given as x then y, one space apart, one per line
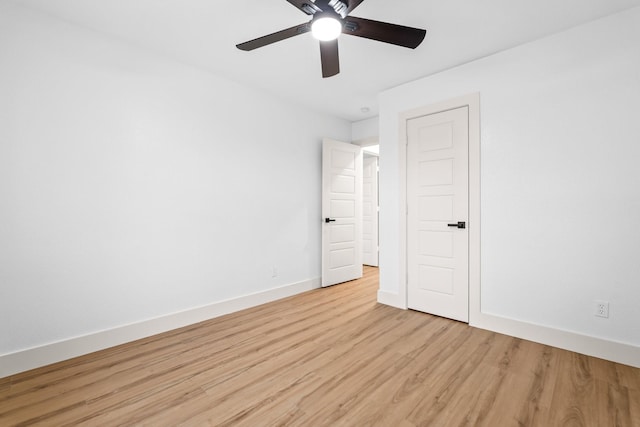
330 357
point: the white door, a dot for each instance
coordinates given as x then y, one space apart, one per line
341 212
370 211
437 214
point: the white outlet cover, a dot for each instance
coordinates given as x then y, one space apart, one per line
601 309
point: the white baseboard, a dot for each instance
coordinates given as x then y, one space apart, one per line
36 357
614 351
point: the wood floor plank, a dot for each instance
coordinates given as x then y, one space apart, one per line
329 366
634 406
536 379
332 372
409 373
574 387
328 357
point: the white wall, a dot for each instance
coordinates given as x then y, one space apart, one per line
365 129
560 181
132 187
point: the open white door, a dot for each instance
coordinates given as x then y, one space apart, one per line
341 212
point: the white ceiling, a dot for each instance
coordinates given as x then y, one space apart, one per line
204 33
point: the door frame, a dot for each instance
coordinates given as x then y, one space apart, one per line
472 101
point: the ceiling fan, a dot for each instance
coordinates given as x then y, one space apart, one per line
329 19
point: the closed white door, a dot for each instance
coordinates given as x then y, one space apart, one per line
437 214
370 211
341 212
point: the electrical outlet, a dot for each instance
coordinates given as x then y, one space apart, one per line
602 309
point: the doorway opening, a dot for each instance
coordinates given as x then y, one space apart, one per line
370 201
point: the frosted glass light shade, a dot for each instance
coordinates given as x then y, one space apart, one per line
326 29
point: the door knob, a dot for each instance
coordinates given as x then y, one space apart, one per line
328 220
459 224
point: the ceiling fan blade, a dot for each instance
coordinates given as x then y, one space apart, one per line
306 6
275 37
329 58
384 32
353 4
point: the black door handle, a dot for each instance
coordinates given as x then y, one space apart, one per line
328 220
460 224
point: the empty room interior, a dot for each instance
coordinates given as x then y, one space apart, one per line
220 214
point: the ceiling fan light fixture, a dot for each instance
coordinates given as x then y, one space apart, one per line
326 28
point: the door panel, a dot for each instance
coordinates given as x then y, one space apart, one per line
436 279
342 205
342 233
437 196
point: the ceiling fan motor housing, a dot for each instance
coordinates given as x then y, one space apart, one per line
341 8
323 6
